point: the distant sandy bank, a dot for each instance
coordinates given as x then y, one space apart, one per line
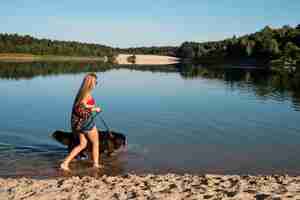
121 59
141 59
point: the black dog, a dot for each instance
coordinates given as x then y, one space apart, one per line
109 141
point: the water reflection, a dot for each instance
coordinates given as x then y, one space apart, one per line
262 82
233 120
30 70
48 158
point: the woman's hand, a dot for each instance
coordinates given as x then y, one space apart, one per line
97 109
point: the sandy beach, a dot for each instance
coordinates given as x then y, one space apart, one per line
167 187
141 59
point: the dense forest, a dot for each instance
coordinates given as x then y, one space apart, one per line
14 43
266 45
166 51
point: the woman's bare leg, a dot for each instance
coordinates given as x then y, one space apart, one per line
94 139
74 152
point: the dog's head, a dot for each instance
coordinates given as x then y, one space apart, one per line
62 137
118 139
113 141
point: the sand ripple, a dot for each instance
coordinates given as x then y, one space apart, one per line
169 186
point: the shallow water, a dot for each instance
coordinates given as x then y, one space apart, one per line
223 121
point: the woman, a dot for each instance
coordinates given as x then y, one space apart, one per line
82 121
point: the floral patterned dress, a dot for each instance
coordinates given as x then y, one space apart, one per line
83 118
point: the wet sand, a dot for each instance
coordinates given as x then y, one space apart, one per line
147 59
167 187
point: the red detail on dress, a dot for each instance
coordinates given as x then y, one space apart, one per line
91 101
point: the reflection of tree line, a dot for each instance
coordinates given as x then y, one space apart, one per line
30 70
262 82
278 80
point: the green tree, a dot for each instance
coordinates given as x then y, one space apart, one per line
273 47
250 47
291 51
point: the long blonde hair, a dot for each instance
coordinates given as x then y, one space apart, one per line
85 88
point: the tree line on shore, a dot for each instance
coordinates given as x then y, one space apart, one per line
268 44
163 51
14 43
26 44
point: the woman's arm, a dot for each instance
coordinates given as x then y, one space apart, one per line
82 111
93 108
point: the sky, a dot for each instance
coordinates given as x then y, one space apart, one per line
135 23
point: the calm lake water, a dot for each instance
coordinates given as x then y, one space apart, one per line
217 121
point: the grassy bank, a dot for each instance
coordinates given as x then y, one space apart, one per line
16 57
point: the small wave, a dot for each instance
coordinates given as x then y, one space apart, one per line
6 147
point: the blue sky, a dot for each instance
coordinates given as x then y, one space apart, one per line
135 23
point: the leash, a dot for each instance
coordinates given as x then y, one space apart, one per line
107 135
105 124
93 118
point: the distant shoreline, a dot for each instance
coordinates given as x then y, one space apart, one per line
121 59
15 57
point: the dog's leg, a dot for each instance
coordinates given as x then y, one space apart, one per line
110 147
89 151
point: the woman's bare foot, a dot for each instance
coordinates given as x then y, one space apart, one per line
97 166
64 167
